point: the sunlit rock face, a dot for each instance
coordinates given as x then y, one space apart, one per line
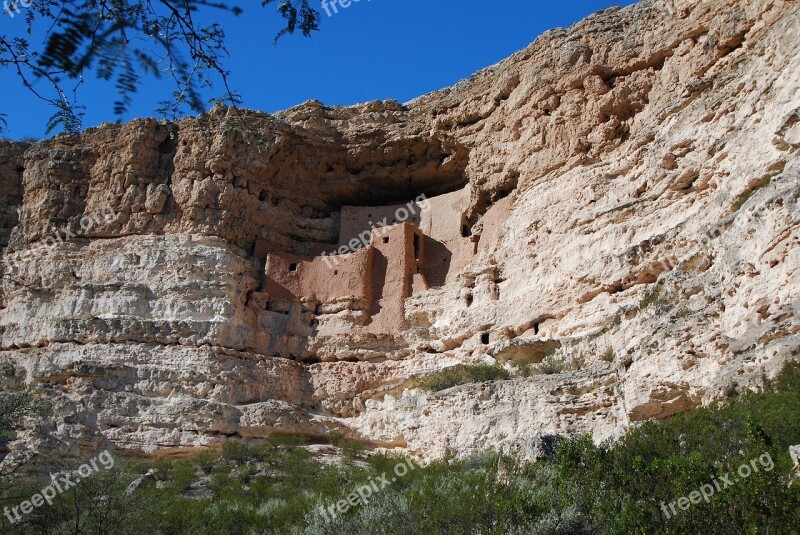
622 195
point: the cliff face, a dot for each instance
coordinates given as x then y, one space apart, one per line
622 195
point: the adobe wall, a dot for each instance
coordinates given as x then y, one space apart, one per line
443 261
439 217
263 247
324 279
380 275
448 251
414 252
357 220
444 218
397 258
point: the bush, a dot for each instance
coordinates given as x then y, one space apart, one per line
551 365
622 485
237 452
460 375
14 406
526 370
99 504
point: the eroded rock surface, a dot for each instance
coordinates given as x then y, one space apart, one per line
623 193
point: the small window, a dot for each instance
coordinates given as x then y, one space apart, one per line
416 246
335 271
293 267
386 239
485 338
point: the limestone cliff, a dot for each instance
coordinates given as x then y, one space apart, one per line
622 194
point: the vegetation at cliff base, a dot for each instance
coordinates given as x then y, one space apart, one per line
280 487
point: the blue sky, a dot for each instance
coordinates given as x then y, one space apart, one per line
374 49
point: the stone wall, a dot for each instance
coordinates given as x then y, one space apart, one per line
320 279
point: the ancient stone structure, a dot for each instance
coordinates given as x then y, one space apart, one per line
383 257
622 195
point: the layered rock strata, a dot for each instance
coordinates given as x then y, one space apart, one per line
621 196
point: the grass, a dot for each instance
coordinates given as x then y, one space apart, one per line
460 375
526 370
551 365
558 362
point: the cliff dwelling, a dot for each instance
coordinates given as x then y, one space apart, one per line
384 255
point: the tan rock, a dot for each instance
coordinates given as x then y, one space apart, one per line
624 191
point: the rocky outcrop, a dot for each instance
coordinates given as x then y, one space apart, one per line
630 201
11 169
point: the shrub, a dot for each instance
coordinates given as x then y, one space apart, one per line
351 450
551 365
207 460
459 375
99 504
682 312
525 370
14 406
237 452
